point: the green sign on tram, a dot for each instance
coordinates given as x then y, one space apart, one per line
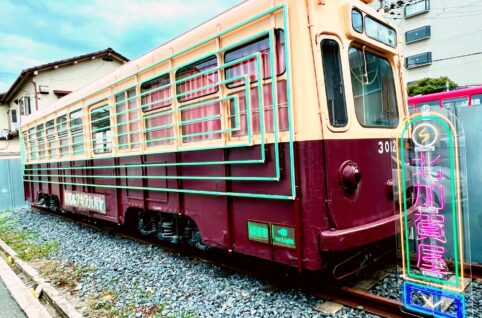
258 232
283 236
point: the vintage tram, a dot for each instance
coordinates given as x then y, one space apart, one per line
265 131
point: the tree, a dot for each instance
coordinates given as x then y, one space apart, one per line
430 85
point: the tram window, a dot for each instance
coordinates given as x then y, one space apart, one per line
51 142
127 120
357 21
150 94
197 85
335 91
248 67
159 129
77 132
62 135
41 141
101 129
477 99
373 89
133 118
32 142
121 113
380 32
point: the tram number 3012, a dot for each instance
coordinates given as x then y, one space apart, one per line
386 146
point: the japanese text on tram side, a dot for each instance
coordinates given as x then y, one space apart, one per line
89 201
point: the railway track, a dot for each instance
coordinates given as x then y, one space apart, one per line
279 277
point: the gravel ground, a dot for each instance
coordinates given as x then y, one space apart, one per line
142 276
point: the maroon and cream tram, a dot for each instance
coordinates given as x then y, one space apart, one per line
265 131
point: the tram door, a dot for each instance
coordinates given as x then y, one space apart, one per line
359 121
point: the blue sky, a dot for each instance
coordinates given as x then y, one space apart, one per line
35 32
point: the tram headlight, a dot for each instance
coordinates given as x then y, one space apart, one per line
350 176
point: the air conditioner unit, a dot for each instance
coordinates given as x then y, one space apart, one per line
43 89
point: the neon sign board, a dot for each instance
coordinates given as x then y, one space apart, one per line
432 215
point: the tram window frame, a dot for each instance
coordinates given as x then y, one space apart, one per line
329 79
144 87
390 82
121 115
125 107
40 134
33 143
280 51
185 69
50 134
107 125
76 125
63 134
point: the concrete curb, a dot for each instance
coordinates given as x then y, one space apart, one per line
20 293
61 305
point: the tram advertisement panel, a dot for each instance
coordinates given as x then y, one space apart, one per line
431 193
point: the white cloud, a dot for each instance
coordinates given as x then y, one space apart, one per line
23 52
112 19
51 30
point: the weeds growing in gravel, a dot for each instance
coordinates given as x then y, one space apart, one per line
65 276
105 306
22 240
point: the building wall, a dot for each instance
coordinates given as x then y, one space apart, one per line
9 148
66 78
455 31
4 120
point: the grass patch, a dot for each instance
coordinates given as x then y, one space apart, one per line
21 240
64 276
105 306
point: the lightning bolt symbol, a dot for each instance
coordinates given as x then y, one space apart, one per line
424 135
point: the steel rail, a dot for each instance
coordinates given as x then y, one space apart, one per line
374 304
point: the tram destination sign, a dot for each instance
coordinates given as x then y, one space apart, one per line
86 201
431 223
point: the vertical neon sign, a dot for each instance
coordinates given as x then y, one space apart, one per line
428 164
